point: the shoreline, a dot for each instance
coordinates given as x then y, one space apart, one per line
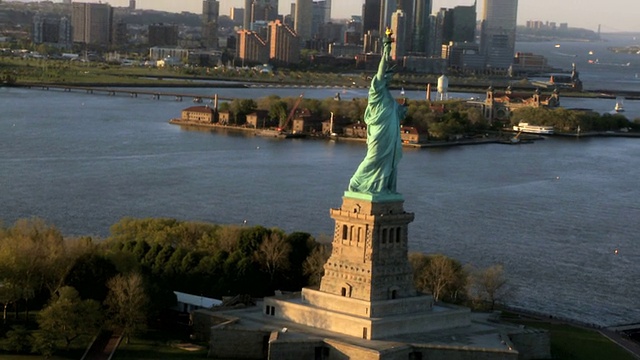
491 139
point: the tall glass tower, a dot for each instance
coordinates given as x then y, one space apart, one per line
498 32
210 14
421 33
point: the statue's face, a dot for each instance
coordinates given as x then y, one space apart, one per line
388 76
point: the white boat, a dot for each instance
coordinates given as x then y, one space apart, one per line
619 105
533 129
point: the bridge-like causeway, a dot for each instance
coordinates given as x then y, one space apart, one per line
134 93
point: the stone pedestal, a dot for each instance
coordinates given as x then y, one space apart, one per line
367 288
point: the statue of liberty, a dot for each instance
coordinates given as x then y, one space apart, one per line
377 174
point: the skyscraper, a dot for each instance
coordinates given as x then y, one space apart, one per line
251 48
259 10
284 44
387 7
237 15
463 23
327 10
421 25
45 30
66 34
398 26
498 32
163 35
319 15
210 13
371 16
408 8
92 23
246 23
303 18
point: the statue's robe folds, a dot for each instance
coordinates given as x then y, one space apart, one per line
377 174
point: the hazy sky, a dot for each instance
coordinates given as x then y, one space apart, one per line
614 15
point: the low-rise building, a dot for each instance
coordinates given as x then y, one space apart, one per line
356 130
188 303
199 114
161 53
335 127
412 135
224 117
305 122
499 105
259 119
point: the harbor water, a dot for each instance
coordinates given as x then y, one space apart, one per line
553 212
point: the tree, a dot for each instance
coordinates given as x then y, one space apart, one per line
302 244
58 265
313 266
18 340
89 276
67 317
32 257
250 239
242 107
273 253
438 274
278 110
9 294
127 303
45 343
489 285
160 263
226 239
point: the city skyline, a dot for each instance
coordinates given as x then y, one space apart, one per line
613 15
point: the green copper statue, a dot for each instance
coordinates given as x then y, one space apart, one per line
377 174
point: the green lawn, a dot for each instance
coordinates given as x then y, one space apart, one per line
69 356
574 343
157 345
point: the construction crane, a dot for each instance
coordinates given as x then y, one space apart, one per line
292 113
516 139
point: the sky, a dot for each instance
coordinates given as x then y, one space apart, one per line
613 15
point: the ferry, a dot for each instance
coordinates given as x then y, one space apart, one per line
533 129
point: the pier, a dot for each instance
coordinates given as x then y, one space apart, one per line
134 93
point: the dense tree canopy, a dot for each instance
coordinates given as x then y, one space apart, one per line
564 120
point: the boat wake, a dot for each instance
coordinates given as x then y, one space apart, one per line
565 54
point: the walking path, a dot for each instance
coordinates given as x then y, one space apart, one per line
104 346
622 341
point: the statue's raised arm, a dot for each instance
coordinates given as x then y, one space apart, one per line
383 66
377 174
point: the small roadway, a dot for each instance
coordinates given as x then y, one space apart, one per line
622 341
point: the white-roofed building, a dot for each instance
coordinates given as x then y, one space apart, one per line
188 302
